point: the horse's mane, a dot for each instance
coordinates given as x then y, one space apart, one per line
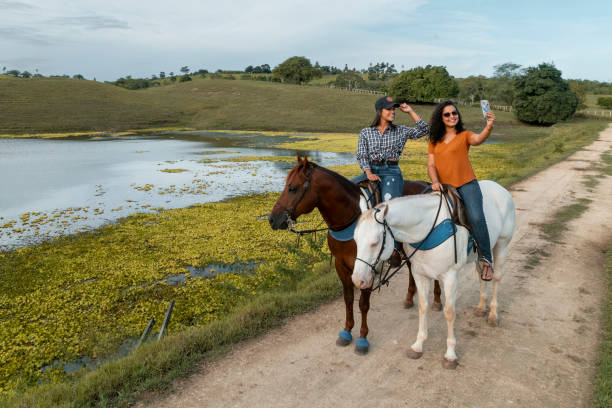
346 183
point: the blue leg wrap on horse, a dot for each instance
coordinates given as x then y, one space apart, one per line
346 335
363 342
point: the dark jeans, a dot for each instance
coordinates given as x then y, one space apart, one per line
472 197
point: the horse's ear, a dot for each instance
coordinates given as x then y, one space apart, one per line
383 208
299 159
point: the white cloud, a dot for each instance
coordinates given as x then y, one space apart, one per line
111 38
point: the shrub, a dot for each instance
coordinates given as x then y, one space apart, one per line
605 102
423 84
185 78
350 80
297 70
543 97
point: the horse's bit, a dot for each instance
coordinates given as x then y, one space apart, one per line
384 279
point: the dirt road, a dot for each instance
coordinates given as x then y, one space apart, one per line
542 354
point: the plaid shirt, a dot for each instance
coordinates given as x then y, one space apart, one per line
374 146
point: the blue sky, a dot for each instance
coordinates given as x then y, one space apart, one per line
107 39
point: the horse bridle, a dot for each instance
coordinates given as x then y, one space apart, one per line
384 280
291 210
382 247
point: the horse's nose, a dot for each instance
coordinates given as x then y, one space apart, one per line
359 282
277 221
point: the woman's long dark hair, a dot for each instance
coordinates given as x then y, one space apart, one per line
437 128
377 119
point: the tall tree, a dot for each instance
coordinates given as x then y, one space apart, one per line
297 70
543 97
424 84
507 70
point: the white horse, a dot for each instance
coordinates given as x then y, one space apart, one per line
409 220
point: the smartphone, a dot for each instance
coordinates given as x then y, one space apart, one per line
484 104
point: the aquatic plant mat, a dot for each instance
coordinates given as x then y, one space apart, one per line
83 300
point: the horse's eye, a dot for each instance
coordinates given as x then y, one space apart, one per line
292 189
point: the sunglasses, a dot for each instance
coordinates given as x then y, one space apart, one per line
448 114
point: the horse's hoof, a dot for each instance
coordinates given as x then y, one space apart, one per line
408 304
436 307
344 338
415 355
342 342
492 321
450 364
479 312
362 346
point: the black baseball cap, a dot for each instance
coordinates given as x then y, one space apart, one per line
385 103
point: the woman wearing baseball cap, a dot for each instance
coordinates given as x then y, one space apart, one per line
379 148
380 145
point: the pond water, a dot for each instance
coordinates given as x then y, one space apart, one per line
62 186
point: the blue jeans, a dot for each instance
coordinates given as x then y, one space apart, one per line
472 197
391 184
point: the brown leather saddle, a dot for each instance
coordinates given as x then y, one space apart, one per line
459 212
373 187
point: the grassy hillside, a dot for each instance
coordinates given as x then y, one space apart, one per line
62 105
591 101
44 105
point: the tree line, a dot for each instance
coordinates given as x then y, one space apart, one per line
538 94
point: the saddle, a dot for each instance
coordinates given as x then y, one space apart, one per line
375 196
459 212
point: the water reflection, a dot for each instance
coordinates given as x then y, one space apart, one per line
62 186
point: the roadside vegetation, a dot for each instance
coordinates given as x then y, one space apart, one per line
602 397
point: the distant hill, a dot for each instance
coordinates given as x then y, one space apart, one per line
41 105
62 104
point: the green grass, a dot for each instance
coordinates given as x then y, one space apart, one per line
68 105
156 365
55 105
591 101
602 396
554 229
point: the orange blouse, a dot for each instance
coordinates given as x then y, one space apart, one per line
452 161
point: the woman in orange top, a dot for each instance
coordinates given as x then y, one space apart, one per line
448 162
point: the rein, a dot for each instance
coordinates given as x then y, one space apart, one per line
384 278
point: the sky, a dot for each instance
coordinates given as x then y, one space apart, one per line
108 39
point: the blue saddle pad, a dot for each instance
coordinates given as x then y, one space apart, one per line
345 234
441 233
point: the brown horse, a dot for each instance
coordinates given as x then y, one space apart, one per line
309 186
